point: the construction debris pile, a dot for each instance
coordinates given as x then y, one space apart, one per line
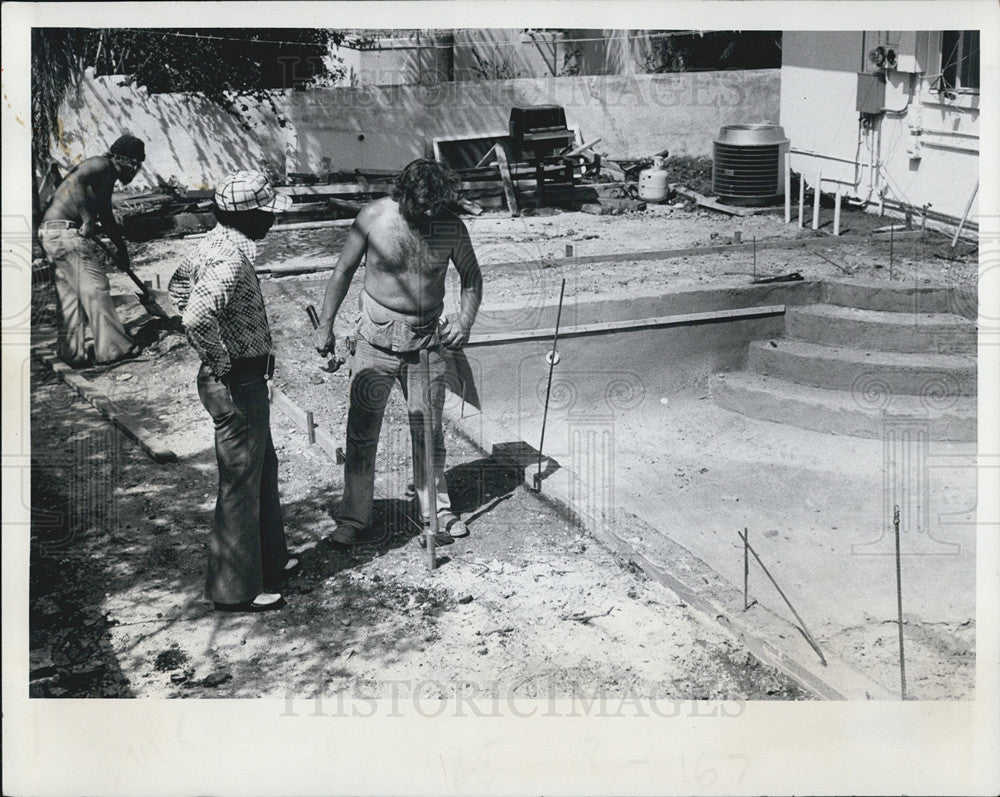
540 164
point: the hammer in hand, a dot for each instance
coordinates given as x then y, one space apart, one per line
334 363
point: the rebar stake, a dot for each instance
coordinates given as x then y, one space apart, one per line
802 625
746 570
429 476
899 607
548 387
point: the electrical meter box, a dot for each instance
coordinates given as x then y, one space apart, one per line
871 92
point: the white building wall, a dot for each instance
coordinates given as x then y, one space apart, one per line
924 151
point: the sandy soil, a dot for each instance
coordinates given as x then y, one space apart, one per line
117 605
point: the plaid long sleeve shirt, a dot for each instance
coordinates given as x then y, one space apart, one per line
219 294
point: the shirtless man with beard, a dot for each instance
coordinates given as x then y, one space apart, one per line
407 241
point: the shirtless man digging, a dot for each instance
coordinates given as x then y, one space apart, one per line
68 234
407 241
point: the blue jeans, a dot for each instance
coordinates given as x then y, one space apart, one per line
247 550
375 370
84 297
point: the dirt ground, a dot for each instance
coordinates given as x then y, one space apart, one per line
526 605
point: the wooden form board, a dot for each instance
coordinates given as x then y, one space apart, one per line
657 254
129 424
300 418
625 326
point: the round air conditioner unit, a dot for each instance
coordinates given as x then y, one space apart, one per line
748 164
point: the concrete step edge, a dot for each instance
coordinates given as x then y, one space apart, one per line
868 358
894 318
858 414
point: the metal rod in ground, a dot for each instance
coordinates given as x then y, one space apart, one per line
548 387
429 482
746 571
802 626
755 257
899 607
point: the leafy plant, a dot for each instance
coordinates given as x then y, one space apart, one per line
234 68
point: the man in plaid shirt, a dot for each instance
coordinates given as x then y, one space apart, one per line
218 292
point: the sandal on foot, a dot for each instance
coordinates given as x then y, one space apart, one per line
292 568
264 602
452 524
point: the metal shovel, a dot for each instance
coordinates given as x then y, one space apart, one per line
146 298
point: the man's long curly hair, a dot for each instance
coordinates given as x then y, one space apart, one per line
423 190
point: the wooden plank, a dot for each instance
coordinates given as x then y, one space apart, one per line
469 206
580 149
626 326
130 425
713 204
299 418
333 189
508 185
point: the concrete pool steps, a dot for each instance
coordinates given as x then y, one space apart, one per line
859 371
897 297
913 333
860 414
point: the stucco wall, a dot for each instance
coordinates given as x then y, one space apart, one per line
192 142
635 115
189 140
818 113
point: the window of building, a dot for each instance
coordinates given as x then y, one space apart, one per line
960 59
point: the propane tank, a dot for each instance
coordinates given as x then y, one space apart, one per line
653 183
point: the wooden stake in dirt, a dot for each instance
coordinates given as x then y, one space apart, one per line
802 626
553 359
432 526
899 607
508 183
